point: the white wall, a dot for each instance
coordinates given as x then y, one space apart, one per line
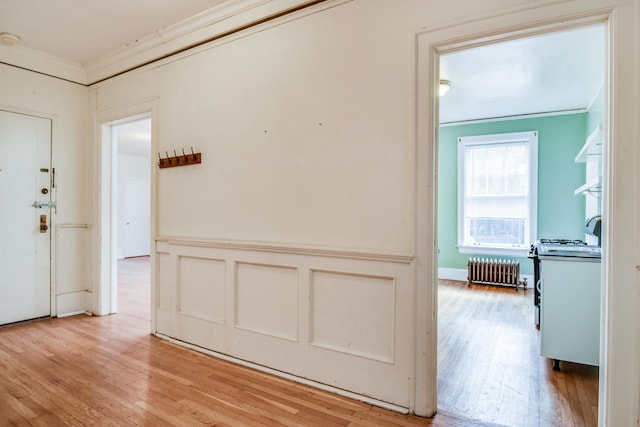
307 192
129 167
66 104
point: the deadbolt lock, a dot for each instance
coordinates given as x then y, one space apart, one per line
43 224
44 191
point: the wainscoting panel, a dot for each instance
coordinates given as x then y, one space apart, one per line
267 300
201 288
200 305
165 300
340 318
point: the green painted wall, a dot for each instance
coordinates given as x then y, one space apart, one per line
560 212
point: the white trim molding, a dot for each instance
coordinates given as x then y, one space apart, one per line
221 21
23 57
619 394
217 22
457 274
287 249
493 206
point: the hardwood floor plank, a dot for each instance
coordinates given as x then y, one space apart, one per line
490 368
161 416
109 371
48 420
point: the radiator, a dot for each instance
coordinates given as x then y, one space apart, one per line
494 272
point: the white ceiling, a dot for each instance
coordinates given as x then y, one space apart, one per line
84 30
134 138
549 73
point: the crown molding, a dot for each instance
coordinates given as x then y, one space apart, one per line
188 33
194 31
33 60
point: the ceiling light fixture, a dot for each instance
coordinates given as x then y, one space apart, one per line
9 39
445 85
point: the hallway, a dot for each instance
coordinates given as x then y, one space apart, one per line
110 371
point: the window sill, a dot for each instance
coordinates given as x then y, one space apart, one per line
493 250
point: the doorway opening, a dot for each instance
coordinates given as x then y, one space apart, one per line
125 216
134 187
551 83
133 140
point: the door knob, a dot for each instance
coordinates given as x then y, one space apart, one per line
43 224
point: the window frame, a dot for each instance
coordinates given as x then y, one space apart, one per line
531 139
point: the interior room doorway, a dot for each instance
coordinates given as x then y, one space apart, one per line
134 187
125 215
515 85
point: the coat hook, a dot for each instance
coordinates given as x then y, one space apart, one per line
178 159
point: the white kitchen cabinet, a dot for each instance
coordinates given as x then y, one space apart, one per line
591 156
570 309
592 148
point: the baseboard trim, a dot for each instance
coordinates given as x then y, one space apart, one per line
459 274
71 303
73 313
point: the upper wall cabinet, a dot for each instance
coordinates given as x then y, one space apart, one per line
591 154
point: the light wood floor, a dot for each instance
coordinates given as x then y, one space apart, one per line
109 371
489 363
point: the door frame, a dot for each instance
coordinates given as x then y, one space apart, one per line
105 204
524 22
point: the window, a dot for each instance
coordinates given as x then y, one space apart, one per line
497 193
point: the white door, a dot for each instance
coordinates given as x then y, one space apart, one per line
136 218
25 179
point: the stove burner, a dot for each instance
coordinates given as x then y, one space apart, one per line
563 241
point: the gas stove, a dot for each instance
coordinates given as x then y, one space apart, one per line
558 244
558 249
564 248
562 242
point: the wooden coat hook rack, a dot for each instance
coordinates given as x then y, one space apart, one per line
179 160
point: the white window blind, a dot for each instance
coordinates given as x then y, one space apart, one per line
497 192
